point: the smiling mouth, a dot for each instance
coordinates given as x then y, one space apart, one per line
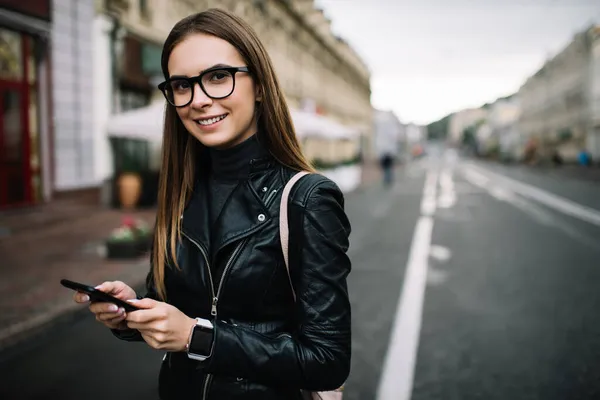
210 121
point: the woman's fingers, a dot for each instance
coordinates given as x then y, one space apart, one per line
107 316
111 319
81 297
102 307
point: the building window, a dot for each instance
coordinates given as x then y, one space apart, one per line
132 99
11 61
144 9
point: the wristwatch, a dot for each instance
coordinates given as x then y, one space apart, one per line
199 345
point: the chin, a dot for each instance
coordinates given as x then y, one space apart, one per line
215 140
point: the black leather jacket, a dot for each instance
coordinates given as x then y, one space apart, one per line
266 346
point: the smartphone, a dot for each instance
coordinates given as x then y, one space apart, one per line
97 295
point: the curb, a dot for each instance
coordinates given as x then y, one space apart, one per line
27 335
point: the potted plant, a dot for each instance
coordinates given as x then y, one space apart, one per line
130 240
131 159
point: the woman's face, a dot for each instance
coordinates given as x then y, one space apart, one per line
218 123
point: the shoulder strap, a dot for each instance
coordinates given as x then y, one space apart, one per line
284 229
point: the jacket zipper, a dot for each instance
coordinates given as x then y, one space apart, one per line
234 255
207 382
208 378
204 254
215 297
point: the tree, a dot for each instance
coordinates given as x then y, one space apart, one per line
439 128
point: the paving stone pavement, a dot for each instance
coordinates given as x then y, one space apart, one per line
63 239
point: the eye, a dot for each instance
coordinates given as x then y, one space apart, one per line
219 76
180 85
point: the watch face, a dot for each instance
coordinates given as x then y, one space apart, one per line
201 342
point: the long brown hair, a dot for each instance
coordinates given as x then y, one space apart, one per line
181 152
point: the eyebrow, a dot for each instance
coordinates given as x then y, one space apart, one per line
220 65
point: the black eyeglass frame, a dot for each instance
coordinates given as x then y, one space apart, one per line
198 79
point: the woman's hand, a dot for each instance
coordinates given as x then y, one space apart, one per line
162 326
109 314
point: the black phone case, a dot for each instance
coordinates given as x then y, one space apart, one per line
97 295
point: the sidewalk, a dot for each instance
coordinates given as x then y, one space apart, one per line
591 174
40 246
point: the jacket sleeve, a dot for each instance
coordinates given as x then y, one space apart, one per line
317 356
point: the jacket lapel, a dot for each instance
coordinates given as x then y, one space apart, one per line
196 218
243 214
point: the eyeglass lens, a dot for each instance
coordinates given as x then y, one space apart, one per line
217 84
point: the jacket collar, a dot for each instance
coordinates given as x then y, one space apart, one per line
245 212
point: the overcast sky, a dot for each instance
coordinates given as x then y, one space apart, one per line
432 57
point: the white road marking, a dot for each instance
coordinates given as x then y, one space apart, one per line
551 200
428 202
446 182
475 177
440 253
398 370
447 198
540 214
508 196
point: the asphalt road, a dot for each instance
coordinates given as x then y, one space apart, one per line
510 300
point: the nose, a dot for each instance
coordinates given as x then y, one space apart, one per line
200 98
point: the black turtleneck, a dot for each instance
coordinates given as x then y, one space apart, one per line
229 167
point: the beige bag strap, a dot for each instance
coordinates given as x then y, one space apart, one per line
284 229
284 235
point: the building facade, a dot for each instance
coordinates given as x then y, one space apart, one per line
558 101
315 68
25 128
415 134
504 119
389 134
593 139
463 119
72 94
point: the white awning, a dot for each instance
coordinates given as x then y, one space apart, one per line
147 123
309 124
141 123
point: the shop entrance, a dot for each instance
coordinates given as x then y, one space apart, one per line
14 175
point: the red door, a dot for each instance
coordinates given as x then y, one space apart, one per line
15 175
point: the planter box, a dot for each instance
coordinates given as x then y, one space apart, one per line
119 250
144 243
347 177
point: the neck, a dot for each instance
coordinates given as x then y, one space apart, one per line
234 163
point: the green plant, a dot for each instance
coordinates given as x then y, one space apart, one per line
324 165
564 135
131 230
130 155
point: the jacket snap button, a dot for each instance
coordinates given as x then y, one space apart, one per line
265 189
261 217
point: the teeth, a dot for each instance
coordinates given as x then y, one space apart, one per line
211 120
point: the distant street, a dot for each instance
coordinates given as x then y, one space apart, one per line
500 268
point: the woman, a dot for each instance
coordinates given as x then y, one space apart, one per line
219 300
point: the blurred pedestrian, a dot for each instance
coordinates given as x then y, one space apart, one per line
219 299
557 159
387 167
584 158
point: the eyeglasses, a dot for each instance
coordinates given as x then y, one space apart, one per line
216 83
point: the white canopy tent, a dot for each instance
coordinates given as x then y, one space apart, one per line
146 123
141 123
309 124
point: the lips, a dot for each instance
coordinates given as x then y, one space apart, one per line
211 120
